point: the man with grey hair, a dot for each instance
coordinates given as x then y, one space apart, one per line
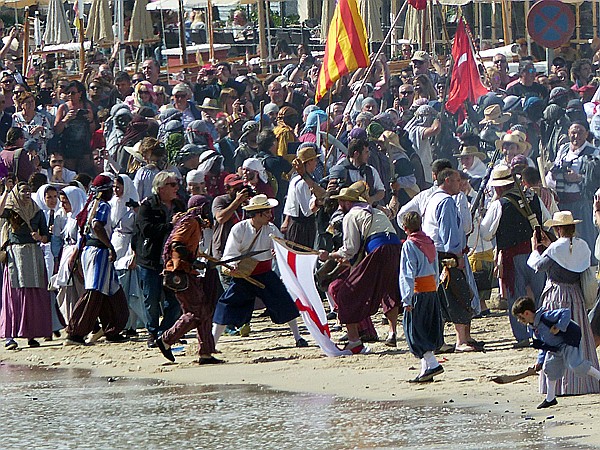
182 94
154 223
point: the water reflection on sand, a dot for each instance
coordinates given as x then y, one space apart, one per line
48 408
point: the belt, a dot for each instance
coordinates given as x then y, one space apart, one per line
376 240
425 284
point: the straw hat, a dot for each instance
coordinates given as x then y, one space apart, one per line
493 114
260 201
561 218
210 104
349 194
501 176
306 154
515 137
470 151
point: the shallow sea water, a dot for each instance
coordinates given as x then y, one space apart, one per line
70 409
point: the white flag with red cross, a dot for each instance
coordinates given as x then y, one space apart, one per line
297 273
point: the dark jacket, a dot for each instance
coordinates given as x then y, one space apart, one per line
153 225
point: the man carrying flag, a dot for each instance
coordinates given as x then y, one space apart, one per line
346 47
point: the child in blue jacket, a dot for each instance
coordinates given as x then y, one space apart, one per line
558 339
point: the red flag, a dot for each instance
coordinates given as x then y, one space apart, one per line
465 83
418 4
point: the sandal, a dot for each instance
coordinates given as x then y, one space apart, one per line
464 348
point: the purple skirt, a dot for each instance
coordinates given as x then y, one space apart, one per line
373 282
25 312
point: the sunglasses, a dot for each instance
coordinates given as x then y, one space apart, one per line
94 87
418 63
144 91
180 95
8 80
406 92
57 161
500 61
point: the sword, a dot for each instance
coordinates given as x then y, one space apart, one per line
533 220
213 264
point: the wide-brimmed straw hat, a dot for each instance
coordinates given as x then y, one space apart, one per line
561 218
493 114
306 154
470 150
210 104
349 194
501 176
260 201
514 137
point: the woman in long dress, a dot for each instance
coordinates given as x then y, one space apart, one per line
26 311
123 212
68 282
564 261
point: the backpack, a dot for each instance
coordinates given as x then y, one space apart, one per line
590 171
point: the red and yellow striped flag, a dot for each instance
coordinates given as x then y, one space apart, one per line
346 47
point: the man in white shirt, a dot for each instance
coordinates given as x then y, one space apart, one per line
237 303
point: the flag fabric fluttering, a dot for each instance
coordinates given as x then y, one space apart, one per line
418 4
297 274
346 46
465 83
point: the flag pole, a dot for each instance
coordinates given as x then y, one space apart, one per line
375 58
327 145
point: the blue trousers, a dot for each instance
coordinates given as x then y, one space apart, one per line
157 300
236 305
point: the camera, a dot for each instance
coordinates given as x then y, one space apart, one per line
250 190
81 113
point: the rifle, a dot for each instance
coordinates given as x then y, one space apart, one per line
484 182
533 220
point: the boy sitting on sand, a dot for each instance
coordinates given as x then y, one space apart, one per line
558 339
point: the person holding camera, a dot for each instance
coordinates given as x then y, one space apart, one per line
75 124
35 125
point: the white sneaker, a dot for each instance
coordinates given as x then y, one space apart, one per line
96 336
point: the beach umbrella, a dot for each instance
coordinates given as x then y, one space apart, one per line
370 10
58 30
99 28
141 23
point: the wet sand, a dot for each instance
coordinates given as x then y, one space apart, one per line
269 358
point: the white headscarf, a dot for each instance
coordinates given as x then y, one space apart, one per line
207 160
118 206
195 176
256 165
77 198
39 197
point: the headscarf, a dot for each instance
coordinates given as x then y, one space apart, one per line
39 197
135 100
207 160
25 208
195 176
196 208
118 207
314 121
77 197
424 116
256 165
198 132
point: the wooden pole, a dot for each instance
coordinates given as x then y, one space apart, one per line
493 23
424 28
81 36
25 42
505 23
182 42
262 43
211 36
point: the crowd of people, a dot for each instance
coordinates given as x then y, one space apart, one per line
142 205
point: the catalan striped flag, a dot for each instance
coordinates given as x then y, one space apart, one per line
346 47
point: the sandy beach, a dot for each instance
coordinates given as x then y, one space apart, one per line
268 358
